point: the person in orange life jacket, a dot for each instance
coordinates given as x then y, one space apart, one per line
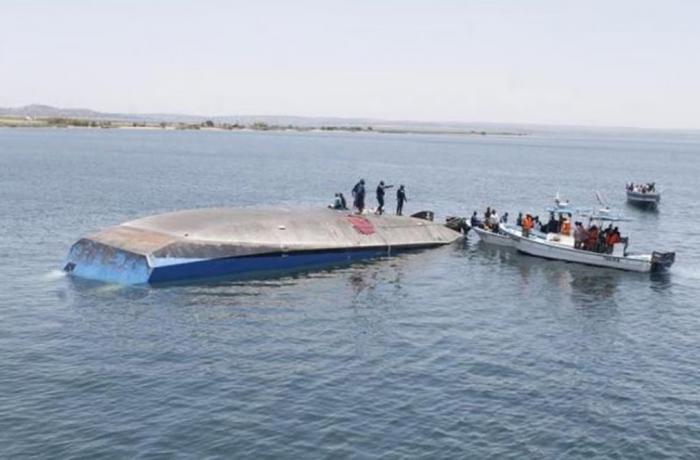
527 225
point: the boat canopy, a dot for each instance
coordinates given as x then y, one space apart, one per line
606 216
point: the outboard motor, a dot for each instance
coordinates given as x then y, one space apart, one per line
458 224
660 261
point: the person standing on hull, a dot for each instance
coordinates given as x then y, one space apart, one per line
400 200
358 194
381 191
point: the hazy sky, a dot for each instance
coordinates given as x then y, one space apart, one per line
614 62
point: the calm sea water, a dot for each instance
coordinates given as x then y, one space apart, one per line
463 352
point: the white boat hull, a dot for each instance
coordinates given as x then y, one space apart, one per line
539 247
496 239
649 199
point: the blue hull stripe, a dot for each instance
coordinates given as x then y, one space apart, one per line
269 263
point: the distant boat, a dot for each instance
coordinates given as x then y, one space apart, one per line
561 203
643 195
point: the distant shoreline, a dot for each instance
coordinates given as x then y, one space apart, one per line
208 125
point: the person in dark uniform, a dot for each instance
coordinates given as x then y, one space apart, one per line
358 194
381 190
343 203
400 200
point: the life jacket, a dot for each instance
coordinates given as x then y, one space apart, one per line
612 239
592 238
527 223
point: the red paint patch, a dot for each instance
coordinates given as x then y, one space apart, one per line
361 225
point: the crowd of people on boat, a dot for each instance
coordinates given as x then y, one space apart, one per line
561 225
596 238
490 221
359 194
588 238
649 187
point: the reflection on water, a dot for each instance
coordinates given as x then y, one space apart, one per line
90 291
593 285
661 281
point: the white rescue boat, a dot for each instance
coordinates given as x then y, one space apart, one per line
561 247
643 195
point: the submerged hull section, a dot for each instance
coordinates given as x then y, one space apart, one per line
207 243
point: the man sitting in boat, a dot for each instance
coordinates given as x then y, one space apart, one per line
475 222
487 216
493 221
339 202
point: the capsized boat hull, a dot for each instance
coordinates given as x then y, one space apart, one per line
206 243
539 247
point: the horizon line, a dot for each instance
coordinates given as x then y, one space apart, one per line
360 118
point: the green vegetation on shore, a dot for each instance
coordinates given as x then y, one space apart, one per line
65 122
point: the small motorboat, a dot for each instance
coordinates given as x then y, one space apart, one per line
497 238
643 195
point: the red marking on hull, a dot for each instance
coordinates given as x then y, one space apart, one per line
361 225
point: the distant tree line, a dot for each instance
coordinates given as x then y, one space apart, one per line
78 122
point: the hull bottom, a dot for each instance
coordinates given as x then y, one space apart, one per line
103 263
